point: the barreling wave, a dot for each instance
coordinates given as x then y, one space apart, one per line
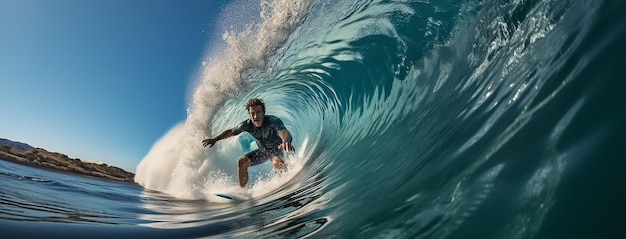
436 106
172 164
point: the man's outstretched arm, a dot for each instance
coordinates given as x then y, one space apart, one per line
211 141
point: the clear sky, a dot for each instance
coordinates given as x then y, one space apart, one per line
99 80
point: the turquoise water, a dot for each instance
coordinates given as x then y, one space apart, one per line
445 119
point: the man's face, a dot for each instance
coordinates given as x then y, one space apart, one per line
256 115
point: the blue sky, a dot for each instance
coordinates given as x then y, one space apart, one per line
99 80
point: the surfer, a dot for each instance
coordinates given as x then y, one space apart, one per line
271 135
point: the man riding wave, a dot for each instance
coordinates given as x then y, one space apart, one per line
271 134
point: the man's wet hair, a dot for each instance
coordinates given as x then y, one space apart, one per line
254 102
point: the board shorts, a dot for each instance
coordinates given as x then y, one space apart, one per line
259 156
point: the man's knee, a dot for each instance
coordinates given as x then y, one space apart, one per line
244 162
278 163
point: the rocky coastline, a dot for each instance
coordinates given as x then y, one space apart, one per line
37 157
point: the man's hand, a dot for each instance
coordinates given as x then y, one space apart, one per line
210 142
286 146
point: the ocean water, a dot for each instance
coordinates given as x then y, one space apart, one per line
411 119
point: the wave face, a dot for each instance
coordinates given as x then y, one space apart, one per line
411 119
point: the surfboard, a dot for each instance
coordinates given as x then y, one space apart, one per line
232 196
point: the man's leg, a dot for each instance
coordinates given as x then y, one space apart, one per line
242 167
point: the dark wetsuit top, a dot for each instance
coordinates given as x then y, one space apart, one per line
266 136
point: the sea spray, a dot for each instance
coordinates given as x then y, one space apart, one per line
154 171
178 164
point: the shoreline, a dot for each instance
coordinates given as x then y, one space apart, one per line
42 159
